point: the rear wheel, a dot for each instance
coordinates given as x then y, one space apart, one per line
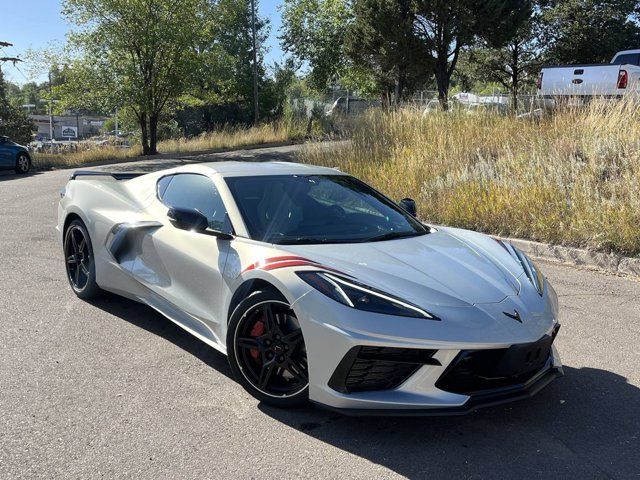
267 352
79 260
23 163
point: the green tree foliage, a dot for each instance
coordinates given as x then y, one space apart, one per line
223 89
589 31
314 31
381 39
226 55
399 43
515 64
136 53
445 27
14 122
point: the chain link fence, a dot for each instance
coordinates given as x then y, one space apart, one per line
345 103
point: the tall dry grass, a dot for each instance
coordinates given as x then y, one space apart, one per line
226 138
572 178
231 137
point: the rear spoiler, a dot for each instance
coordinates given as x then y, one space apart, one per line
116 175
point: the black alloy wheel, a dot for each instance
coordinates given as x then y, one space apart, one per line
23 163
267 351
79 260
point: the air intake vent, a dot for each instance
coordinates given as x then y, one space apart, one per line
477 371
378 368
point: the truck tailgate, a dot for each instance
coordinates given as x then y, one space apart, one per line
578 80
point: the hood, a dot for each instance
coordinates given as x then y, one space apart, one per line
444 268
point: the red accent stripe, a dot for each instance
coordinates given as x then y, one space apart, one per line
290 263
274 263
267 261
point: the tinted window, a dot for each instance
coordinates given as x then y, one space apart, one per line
195 191
627 59
289 209
163 183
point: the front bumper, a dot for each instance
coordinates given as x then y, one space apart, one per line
332 331
475 402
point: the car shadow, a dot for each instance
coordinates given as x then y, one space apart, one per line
7 175
585 424
148 319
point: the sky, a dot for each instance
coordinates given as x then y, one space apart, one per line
37 23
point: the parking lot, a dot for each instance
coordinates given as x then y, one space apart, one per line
112 389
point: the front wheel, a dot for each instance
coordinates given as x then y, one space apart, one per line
267 352
80 262
23 163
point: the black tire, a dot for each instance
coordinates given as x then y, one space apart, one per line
274 351
23 163
79 261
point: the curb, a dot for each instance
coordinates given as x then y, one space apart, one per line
608 262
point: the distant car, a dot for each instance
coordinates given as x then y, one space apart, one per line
14 157
316 286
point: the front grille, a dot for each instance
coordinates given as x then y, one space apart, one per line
477 371
368 368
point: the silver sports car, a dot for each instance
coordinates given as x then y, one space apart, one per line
316 286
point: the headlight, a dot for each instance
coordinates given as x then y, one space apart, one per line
362 297
534 274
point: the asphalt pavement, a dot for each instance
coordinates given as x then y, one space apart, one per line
112 389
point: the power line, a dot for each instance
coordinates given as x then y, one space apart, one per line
22 73
14 60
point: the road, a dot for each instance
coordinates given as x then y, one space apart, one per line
112 389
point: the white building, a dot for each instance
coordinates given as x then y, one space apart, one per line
64 126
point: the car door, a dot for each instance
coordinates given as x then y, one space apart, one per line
6 154
185 268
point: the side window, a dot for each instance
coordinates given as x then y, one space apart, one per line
163 183
627 59
188 190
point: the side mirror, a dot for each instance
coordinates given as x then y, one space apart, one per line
194 220
409 204
188 219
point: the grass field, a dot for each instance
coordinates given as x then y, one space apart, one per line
226 138
572 178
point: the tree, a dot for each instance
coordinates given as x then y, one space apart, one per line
514 64
314 32
446 27
224 82
14 122
136 53
381 39
588 31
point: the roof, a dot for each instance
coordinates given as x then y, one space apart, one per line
232 169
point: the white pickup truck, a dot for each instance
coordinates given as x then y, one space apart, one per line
615 79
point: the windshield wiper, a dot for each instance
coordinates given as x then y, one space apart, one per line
310 241
392 236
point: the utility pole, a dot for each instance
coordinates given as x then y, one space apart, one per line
50 110
116 125
256 113
13 60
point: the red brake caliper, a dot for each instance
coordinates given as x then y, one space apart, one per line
256 331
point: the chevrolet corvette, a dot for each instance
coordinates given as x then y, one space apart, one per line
316 286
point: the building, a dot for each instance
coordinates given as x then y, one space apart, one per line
67 127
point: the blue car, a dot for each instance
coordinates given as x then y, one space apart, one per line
14 156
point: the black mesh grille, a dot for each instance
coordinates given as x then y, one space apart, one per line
378 368
477 371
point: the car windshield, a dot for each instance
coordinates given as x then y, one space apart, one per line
309 209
